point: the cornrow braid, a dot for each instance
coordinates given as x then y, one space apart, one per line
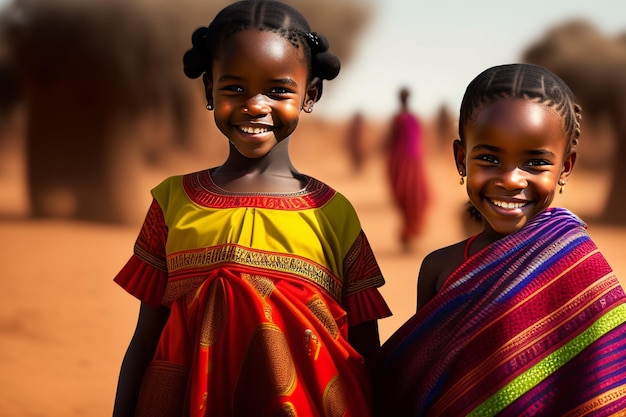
523 81
263 15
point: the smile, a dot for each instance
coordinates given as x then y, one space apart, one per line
508 205
253 130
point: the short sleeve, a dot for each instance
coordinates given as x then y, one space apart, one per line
362 277
145 274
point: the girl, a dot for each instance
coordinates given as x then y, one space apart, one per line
258 287
525 318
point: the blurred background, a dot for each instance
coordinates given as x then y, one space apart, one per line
95 111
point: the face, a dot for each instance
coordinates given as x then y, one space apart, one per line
259 85
514 156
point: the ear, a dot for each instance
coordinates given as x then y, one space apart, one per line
460 154
208 88
568 166
312 94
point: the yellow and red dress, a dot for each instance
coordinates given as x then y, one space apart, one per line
261 289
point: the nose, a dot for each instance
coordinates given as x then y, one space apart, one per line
513 179
256 105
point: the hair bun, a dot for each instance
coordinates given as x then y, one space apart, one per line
325 65
196 59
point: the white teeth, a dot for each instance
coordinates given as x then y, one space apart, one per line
253 130
506 205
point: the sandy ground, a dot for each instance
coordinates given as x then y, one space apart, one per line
64 325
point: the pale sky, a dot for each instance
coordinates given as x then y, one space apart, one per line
436 47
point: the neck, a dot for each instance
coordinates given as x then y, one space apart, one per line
273 172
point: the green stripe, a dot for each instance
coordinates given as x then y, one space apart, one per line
524 382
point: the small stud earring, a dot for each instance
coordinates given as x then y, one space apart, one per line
462 180
209 105
562 184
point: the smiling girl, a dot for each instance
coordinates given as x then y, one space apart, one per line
258 287
525 318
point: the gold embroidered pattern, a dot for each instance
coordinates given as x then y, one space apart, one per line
286 410
267 371
162 390
335 398
263 285
214 317
319 309
210 257
150 259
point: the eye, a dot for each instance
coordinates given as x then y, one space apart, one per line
490 159
232 89
538 162
280 92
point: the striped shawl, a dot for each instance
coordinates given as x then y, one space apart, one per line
532 325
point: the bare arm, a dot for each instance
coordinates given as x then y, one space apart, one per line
138 355
426 280
435 269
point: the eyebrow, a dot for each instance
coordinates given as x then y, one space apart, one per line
534 152
285 80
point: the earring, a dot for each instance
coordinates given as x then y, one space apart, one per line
462 180
209 105
562 184
309 106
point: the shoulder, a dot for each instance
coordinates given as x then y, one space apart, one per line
443 257
166 186
440 263
176 187
325 194
436 267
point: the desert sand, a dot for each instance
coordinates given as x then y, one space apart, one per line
64 324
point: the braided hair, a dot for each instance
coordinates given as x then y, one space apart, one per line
522 81
268 15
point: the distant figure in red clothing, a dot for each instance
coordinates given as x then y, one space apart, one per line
406 171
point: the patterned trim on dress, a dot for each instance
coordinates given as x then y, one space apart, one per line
150 244
360 267
201 189
230 253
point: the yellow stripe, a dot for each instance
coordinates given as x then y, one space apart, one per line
463 385
550 364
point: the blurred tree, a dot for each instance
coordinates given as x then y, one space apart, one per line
594 66
103 87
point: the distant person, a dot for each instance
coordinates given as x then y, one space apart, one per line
406 171
445 127
525 318
354 141
258 287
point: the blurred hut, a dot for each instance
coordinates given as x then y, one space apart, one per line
104 94
594 66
